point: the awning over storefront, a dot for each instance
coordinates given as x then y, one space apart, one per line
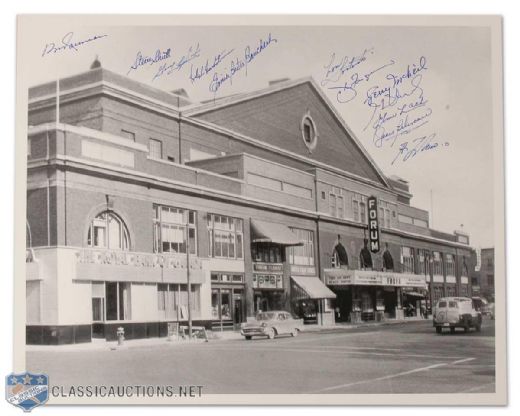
414 294
313 287
267 232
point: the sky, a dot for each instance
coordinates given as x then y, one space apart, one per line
430 84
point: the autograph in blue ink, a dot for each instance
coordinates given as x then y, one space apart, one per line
237 64
141 60
348 90
68 44
200 71
167 68
417 146
336 69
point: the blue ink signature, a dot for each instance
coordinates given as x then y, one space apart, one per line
347 92
141 60
418 146
67 44
335 70
237 64
167 68
199 71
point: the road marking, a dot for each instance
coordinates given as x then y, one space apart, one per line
369 353
404 373
462 361
388 377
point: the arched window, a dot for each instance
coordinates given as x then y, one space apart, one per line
108 230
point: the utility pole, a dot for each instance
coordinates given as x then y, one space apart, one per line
190 329
428 270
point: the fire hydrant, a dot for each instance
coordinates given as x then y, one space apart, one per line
120 335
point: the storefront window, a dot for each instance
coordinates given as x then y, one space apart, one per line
107 230
170 230
225 236
266 253
118 301
302 255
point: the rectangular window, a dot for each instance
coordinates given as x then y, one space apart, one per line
406 219
359 208
130 135
336 203
225 236
420 223
450 265
266 253
175 229
155 149
438 266
423 264
118 301
264 182
408 259
302 255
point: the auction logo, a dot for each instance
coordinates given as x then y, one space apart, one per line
27 390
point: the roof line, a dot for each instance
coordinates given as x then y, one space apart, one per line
232 100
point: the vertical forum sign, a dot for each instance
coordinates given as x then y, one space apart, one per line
373 224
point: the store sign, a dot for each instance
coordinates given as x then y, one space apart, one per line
341 277
373 224
268 267
261 281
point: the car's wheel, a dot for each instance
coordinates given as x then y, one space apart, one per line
478 327
438 329
452 329
294 332
248 337
466 328
270 333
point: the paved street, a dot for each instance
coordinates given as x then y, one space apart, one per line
399 358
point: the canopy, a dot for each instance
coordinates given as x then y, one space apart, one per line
313 287
414 294
267 232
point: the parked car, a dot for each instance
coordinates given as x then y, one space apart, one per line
456 312
270 324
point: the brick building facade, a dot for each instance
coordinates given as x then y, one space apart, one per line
259 198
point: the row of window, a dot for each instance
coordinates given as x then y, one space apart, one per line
175 231
428 262
337 207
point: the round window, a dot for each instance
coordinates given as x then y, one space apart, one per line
309 133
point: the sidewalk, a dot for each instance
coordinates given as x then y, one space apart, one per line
213 336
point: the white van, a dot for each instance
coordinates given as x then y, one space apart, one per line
456 312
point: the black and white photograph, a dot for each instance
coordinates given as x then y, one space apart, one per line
296 210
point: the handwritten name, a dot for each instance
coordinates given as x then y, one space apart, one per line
335 69
68 44
170 66
409 150
239 63
141 60
199 71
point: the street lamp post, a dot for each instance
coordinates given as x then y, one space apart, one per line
188 282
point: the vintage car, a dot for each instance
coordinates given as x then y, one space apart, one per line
272 323
456 312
